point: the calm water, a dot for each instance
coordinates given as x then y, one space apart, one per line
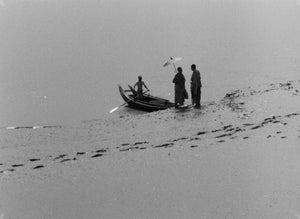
61 60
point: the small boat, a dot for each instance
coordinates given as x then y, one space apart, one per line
147 103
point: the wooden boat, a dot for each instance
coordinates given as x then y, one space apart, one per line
147 103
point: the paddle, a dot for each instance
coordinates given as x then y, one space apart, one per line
118 107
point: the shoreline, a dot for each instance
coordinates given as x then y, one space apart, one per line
234 105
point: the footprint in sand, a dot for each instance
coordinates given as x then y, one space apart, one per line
97 155
144 142
217 130
81 153
60 156
229 130
221 141
101 150
164 145
64 160
248 124
178 139
38 167
221 136
227 127
194 139
34 159
256 127
17 165
276 121
292 114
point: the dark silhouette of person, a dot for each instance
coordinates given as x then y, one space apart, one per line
140 84
196 86
180 91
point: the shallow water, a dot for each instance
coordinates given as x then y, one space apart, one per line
61 61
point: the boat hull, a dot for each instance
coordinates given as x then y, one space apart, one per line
148 103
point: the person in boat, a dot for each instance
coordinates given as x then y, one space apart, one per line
180 91
196 86
140 84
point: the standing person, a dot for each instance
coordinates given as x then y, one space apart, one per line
140 84
180 91
196 86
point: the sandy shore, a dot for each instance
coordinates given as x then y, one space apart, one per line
233 158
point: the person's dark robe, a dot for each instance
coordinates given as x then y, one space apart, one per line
180 91
196 87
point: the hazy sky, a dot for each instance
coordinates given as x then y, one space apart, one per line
62 59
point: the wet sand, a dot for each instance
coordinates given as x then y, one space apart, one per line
233 158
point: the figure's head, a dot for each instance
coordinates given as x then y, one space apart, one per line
179 70
140 78
193 67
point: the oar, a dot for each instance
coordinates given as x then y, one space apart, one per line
118 107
